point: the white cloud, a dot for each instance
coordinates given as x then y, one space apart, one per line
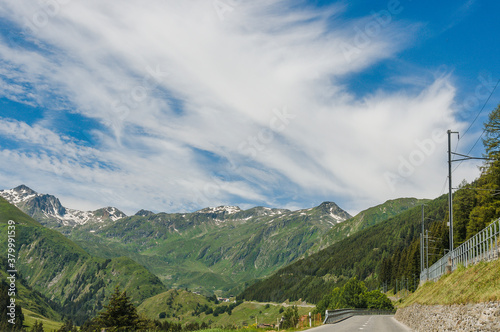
260 91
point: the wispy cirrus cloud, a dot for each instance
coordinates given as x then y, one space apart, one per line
189 110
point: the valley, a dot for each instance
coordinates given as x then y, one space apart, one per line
211 250
217 251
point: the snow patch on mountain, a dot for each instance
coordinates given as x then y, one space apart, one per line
48 209
18 194
220 209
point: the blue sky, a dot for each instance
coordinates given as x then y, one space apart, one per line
174 106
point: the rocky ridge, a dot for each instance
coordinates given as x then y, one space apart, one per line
48 210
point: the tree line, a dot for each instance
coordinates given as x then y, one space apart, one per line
389 252
475 206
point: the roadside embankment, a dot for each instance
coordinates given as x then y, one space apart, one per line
456 317
466 300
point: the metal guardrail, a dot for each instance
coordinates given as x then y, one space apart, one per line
483 246
335 316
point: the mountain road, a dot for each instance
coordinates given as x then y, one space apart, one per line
381 323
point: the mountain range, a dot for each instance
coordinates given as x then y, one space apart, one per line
216 248
48 210
57 278
220 250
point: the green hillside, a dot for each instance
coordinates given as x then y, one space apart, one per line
360 255
390 251
474 284
212 251
475 206
63 272
30 318
370 217
219 249
207 251
29 299
180 306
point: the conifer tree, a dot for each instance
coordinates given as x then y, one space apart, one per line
67 327
464 202
290 317
37 327
488 199
352 294
120 313
15 321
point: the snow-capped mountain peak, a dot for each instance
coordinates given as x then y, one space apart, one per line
18 194
47 209
221 209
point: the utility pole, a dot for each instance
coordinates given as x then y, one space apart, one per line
422 243
450 198
427 254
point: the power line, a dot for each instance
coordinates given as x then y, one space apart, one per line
496 191
470 126
482 108
484 130
444 186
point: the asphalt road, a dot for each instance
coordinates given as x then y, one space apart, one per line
382 323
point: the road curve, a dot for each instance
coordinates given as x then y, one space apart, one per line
380 323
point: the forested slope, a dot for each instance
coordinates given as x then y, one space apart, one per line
359 255
77 283
390 251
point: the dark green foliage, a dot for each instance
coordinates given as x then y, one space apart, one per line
52 266
353 294
388 253
37 327
166 326
375 299
247 245
372 216
290 318
68 327
120 314
219 310
200 308
464 202
487 187
120 311
11 316
213 299
491 141
359 255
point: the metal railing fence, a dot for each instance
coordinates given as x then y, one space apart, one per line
335 316
483 246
